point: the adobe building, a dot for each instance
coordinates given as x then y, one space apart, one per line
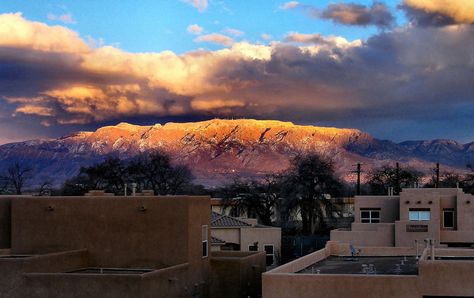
245 234
388 272
106 246
443 214
415 245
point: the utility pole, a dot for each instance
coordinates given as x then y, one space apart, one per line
358 171
437 175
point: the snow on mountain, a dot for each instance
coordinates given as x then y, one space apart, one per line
218 150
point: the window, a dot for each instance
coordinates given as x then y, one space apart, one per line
205 241
253 247
370 215
448 218
270 251
419 214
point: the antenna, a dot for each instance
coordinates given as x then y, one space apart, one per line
397 178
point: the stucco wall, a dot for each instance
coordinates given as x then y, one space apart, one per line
366 234
231 235
396 210
388 207
263 236
168 282
465 212
237 274
113 229
435 278
136 232
12 283
447 278
5 220
331 286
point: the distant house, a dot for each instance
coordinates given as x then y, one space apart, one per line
245 234
443 214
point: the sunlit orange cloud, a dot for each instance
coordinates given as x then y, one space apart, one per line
35 110
461 11
17 32
194 74
213 104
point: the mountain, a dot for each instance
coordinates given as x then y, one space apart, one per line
218 150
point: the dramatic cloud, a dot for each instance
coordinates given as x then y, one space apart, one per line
17 32
355 14
439 12
195 29
417 75
348 13
201 5
65 18
216 38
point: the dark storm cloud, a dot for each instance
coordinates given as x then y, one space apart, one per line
422 18
355 14
349 13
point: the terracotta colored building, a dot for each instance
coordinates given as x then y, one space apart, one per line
106 246
443 214
385 253
388 272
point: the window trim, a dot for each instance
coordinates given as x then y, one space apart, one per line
205 241
450 210
418 212
371 219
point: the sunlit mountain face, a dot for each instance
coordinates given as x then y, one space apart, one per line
218 151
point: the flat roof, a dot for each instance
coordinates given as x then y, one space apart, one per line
398 265
99 270
14 256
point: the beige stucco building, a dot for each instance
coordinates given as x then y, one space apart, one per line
385 254
388 272
106 246
245 234
443 214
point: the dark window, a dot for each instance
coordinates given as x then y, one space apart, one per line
270 251
370 215
253 247
448 218
205 248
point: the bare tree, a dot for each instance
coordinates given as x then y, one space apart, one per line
149 171
311 179
16 176
155 171
256 197
380 179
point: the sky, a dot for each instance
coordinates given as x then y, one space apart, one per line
398 69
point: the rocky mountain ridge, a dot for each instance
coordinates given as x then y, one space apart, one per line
219 150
